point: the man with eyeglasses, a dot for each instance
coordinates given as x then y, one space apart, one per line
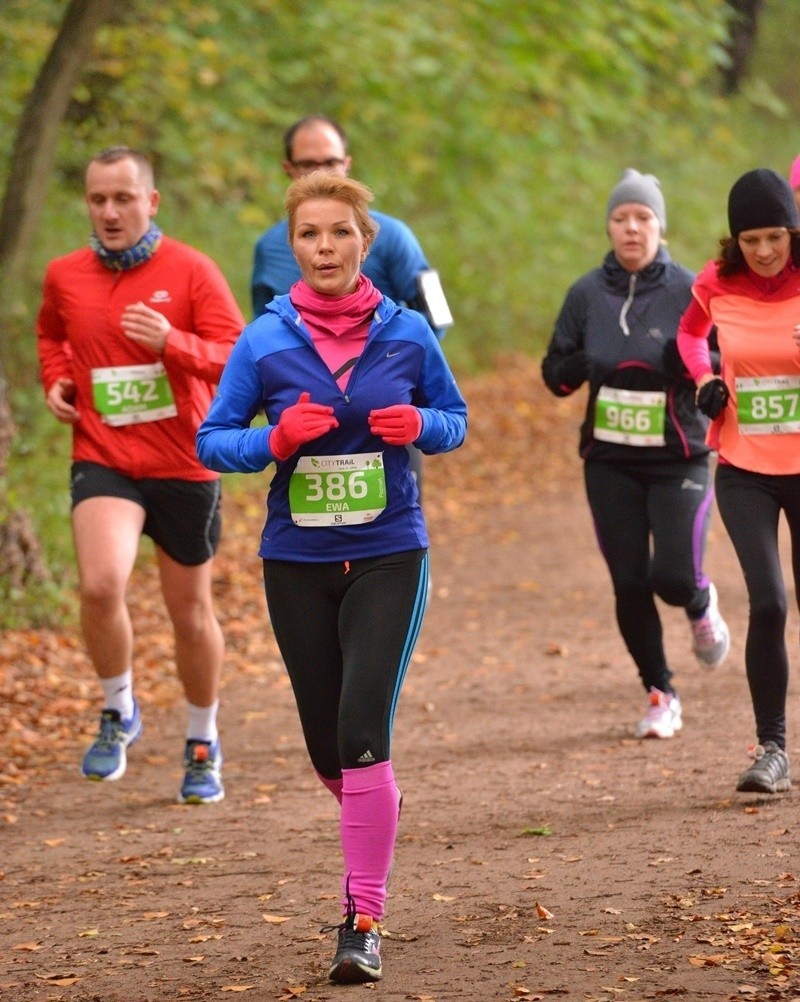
396 264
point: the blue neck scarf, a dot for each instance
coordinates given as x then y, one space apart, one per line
129 258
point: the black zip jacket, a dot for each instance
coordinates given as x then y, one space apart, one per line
625 324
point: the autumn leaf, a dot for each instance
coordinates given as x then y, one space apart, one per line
715 960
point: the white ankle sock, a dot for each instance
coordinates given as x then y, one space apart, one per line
202 722
118 693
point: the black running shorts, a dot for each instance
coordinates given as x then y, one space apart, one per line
181 516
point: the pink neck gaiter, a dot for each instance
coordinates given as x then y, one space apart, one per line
338 325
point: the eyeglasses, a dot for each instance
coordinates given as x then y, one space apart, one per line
309 165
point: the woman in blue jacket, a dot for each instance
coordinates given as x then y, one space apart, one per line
347 380
646 462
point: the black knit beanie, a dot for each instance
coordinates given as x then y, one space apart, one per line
760 199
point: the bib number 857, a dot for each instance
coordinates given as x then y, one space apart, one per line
775 407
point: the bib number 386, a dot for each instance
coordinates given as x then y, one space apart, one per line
337 490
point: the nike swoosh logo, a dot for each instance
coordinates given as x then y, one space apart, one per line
391 354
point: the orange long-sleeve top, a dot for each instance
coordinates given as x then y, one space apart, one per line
755 318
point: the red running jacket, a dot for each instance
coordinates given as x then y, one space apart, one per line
78 329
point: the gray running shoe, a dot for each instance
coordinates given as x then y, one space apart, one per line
769 772
358 954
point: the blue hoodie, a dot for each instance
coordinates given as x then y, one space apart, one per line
273 361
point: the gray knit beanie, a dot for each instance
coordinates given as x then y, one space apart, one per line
641 188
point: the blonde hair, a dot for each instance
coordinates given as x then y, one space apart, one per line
320 184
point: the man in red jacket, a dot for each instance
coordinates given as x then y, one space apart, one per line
133 333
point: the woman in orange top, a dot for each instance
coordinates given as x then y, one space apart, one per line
751 294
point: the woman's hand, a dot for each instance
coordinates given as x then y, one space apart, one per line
400 424
712 395
574 369
300 423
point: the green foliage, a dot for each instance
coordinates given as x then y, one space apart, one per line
460 116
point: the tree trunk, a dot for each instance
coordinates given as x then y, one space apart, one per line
33 154
20 554
30 167
743 32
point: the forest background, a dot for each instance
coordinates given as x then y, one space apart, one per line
494 128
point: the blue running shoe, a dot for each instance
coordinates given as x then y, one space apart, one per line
202 783
106 758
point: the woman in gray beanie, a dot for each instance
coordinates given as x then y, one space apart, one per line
751 294
646 463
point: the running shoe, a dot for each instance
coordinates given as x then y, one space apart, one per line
202 783
663 717
106 758
358 954
711 638
769 772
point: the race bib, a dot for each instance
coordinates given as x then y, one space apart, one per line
768 405
337 490
630 417
132 394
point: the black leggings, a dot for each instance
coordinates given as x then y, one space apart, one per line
668 503
750 505
346 632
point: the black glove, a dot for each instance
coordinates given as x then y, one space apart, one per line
574 369
712 397
672 361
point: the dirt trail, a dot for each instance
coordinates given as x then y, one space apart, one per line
543 854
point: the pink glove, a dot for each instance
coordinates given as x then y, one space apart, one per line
298 424
399 424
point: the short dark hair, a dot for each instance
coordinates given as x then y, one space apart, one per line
731 260
316 119
113 154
